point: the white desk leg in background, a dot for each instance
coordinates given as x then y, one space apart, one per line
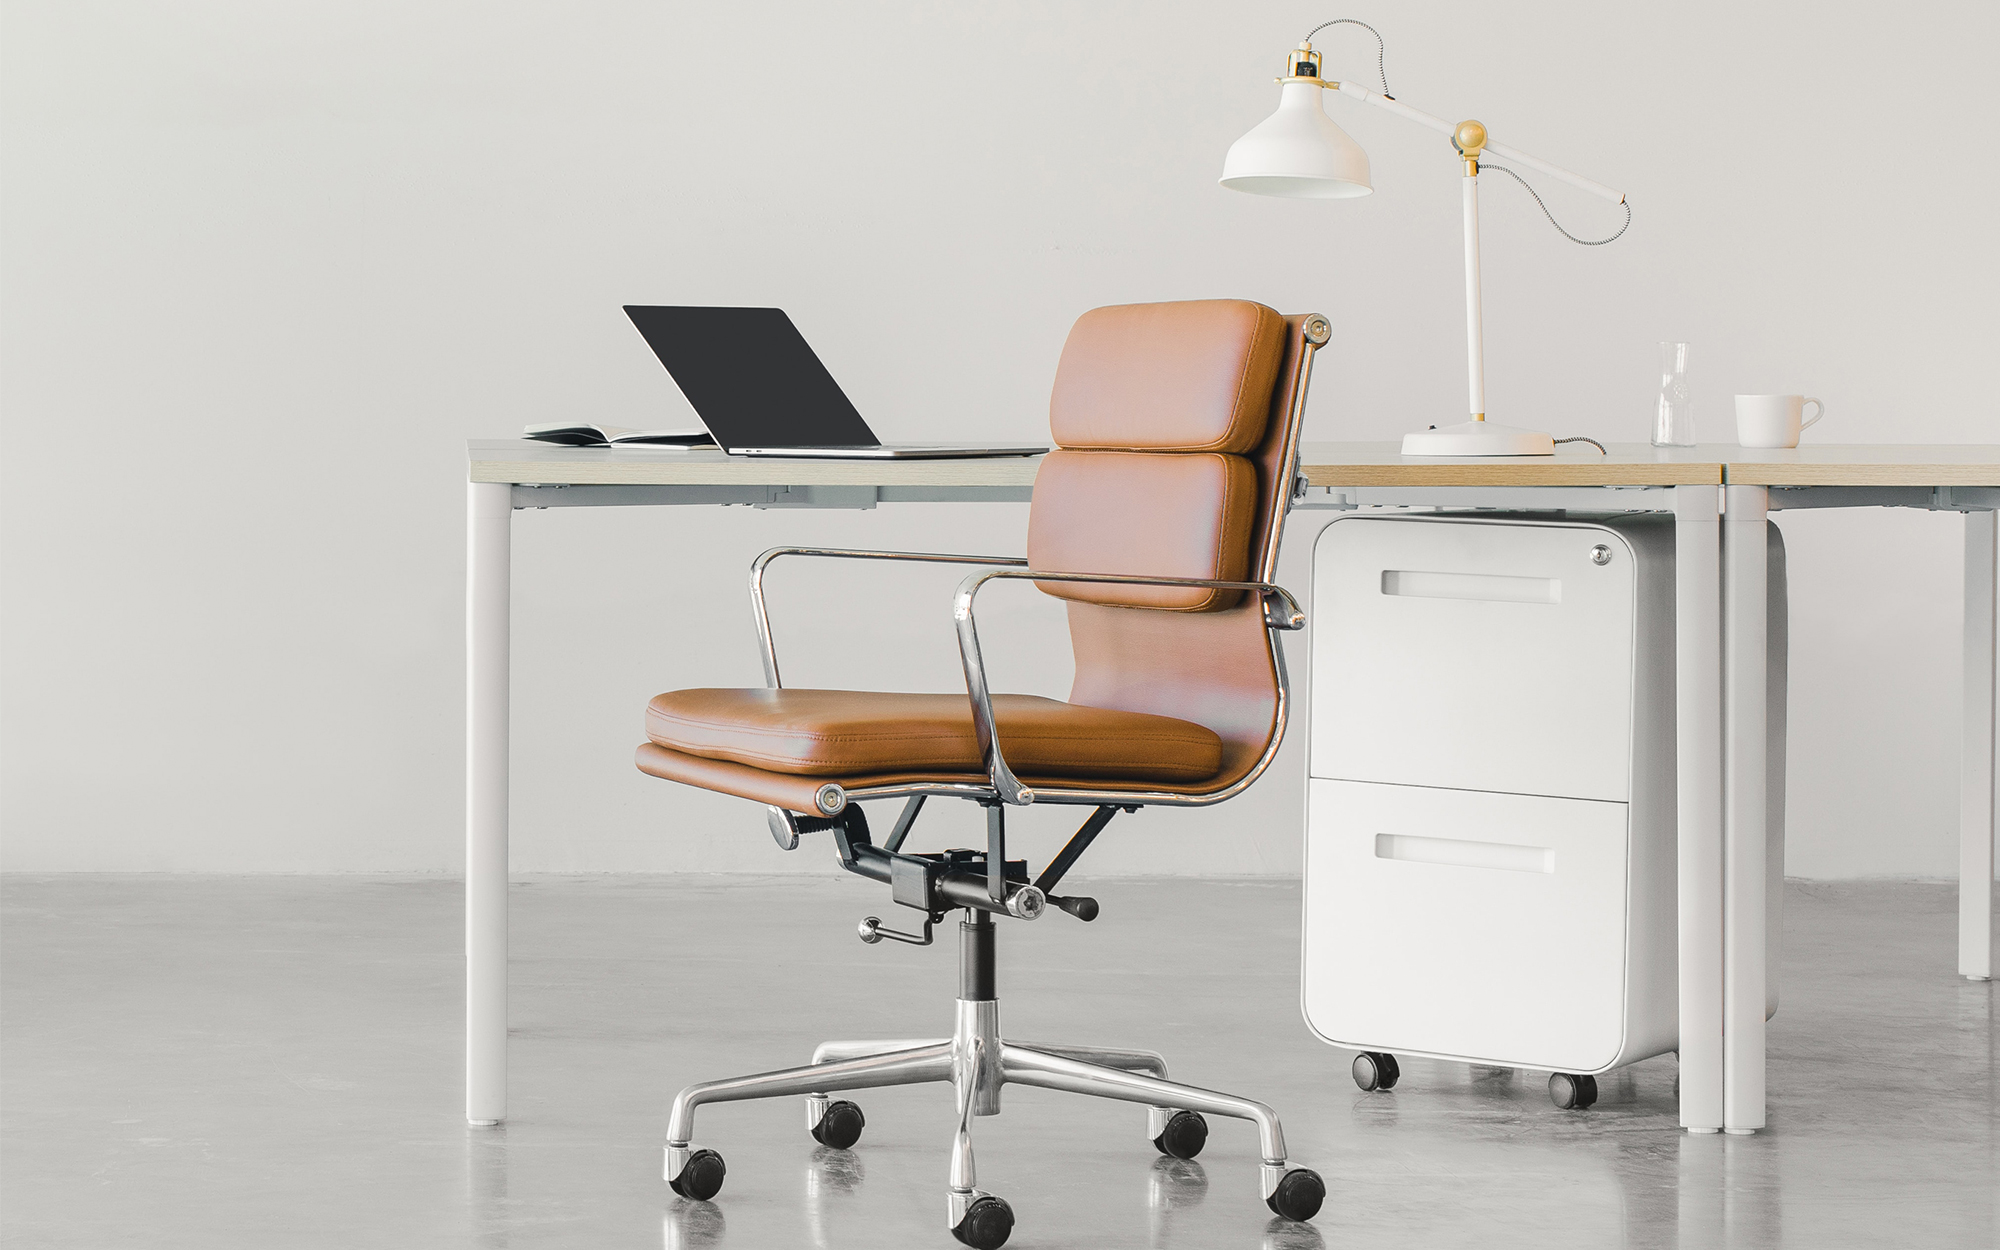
1698 753
489 518
1745 756
1977 799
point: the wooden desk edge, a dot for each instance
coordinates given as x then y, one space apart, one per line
494 465
999 473
1754 473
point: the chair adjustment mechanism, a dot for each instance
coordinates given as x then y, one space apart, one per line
934 884
937 883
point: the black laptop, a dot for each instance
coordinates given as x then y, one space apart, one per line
761 391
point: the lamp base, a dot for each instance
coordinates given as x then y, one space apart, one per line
1478 438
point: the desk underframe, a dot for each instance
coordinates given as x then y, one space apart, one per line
1721 611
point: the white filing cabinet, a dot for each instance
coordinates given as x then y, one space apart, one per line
1491 836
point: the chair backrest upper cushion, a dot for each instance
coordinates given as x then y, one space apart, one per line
1193 376
1155 410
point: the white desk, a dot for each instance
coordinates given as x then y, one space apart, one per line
1720 665
1962 479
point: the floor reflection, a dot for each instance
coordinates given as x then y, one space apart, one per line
1724 1193
1284 1234
486 1181
1175 1183
1974 1012
832 1176
1174 1187
692 1226
831 1171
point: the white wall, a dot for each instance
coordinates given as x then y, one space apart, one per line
264 268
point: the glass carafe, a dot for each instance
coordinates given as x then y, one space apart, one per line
1673 414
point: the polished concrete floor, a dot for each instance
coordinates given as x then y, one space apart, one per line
221 1062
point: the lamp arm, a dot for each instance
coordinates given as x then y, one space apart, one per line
1500 150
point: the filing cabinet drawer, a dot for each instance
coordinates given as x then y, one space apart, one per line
1453 923
1470 655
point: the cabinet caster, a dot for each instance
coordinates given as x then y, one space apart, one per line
840 1127
700 1177
1572 1093
1186 1133
986 1225
1298 1195
1376 1069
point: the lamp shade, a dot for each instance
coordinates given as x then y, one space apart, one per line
1298 152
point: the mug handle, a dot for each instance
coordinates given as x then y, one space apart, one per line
1817 415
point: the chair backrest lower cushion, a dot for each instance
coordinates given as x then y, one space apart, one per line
1155 412
1142 513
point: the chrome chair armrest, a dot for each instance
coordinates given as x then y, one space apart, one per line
757 567
1281 612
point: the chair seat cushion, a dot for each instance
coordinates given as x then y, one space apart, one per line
831 733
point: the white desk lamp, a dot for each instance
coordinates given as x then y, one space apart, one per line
1299 153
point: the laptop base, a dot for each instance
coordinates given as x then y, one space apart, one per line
888 451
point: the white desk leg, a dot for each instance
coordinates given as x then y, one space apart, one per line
489 516
1745 847
1698 752
1977 799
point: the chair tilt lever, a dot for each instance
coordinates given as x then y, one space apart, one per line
1082 906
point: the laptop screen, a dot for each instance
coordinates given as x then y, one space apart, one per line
751 377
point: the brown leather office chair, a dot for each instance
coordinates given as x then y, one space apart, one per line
1158 519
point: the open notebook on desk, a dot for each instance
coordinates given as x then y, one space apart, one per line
591 434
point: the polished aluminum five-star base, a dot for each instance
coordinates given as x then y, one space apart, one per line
978 1062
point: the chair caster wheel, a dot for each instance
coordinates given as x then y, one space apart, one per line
701 1177
1298 1195
1376 1069
987 1224
1572 1093
840 1127
1186 1133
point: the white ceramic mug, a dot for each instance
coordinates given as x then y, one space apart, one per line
1773 420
